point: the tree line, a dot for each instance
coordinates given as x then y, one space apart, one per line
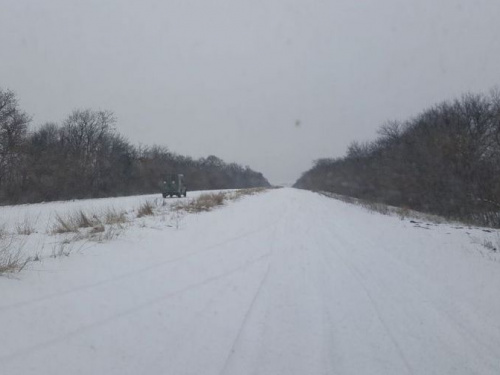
445 161
85 157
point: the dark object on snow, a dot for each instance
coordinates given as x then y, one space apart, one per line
174 184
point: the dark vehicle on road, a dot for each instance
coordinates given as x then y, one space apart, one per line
174 185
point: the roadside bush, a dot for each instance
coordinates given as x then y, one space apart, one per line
146 209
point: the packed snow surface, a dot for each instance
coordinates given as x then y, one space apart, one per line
283 282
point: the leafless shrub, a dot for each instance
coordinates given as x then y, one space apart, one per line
146 209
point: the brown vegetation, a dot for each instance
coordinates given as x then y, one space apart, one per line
204 202
145 209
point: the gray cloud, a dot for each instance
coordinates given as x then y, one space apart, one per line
274 84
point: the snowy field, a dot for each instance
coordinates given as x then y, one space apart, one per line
282 282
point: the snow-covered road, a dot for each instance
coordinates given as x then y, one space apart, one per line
283 282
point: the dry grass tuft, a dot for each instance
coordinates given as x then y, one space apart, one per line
11 259
113 217
146 209
64 225
71 223
11 263
84 221
25 227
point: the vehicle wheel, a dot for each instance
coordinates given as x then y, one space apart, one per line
185 194
179 195
164 195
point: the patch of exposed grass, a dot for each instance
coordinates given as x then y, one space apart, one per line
73 222
86 221
10 263
113 217
146 209
64 225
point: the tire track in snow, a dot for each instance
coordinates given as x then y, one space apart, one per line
481 349
248 313
189 333
245 320
110 319
360 280
131 274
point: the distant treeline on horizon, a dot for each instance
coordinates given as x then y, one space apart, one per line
444 161
85 157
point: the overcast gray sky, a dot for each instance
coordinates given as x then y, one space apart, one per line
273 84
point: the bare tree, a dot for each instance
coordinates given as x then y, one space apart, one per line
13 129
